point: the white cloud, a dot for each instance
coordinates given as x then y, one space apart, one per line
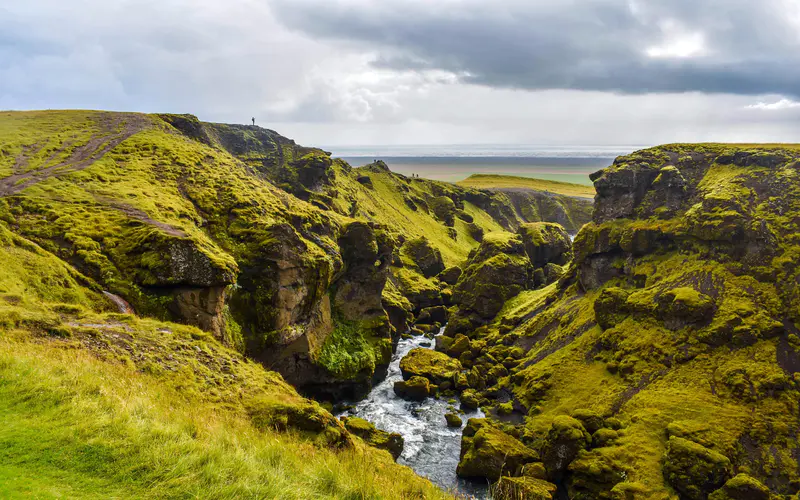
678 42
775 106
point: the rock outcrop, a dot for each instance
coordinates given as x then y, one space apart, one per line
425 256
487 452
432 365
694 470
391 442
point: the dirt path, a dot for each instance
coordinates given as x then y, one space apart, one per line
135 213
114 129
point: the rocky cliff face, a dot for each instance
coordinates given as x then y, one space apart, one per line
663 361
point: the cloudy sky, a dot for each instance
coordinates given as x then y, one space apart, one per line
349 72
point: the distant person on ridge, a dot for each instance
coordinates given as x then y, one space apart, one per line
254 121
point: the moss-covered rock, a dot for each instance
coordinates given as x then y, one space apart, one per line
434 366
469 400
528 488
453 419
488 452
498 271
391 442
444 209
694 470
564 440
435 314
741 487
591 420
425 256
450 275
546 242
415 388
459 346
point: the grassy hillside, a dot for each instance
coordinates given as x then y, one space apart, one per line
96 404
664 362
490 181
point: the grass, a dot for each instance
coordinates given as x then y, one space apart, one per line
491 181
74 426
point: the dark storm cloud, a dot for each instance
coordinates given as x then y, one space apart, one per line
711 46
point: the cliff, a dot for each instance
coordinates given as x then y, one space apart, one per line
664 359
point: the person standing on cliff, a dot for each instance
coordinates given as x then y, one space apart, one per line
254 121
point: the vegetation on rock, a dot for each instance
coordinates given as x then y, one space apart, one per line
669 342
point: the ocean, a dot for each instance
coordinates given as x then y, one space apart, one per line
456 162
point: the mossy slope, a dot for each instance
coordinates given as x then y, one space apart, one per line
95 403
676 322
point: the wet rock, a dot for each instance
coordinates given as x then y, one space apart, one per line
425 256
391 442
694 470
434 366
453 420
490 453
565 439
414 389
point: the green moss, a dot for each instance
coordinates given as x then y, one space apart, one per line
434 366
349 350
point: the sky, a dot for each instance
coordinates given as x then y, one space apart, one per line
371 72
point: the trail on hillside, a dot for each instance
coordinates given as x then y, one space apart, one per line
114 129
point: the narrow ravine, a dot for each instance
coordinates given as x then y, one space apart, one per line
431 448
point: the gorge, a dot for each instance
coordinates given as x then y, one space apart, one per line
268 284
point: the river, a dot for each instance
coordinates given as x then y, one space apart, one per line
431 448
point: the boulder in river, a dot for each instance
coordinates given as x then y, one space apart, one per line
453 420
414 389
435 366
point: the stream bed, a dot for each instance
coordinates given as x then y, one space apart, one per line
431 448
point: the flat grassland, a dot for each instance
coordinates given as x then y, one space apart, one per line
492 181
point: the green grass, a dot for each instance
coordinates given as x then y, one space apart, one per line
491 181
73 426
